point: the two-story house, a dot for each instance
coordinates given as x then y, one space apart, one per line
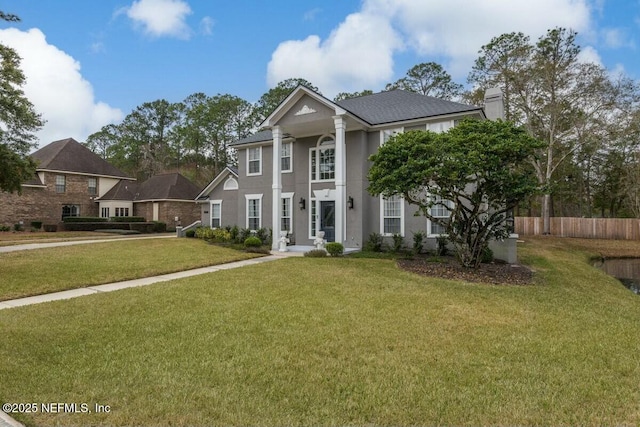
308 171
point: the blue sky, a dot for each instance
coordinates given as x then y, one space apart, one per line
89 63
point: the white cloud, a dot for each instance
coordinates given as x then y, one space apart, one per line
590 54
57 89
356 55
206 25
310 15
360 52
160 18
615 38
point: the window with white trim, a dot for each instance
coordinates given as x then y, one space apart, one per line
254 211
122 211
286 157
254 161
385 134
230 184
61 183
392 216
104 213
440 127
286 212
323 159
442 209
216 213
92 186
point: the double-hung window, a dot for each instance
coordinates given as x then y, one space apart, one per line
216 213
392 216
286 164
61 183
441 210
254 211
92 186
254 161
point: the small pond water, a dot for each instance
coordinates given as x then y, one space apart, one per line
625 270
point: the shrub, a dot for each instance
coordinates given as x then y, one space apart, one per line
375 242
36 225
442 249
190 233
334 248
487 255
316 253
220 235
252 242
398 242
418 242
243 234
50 228
205 233
17 227
233 232
83 219
160 227
144 227
4 228
264 235
127 219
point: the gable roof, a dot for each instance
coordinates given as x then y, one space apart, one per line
400 105
171 186
68 155
378 109
229 170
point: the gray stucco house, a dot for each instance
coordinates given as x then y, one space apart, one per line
318 177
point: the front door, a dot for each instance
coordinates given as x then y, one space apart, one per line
328 220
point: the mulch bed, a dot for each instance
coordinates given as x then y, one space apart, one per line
449 268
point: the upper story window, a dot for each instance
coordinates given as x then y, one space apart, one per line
92 186
254 161
440 126
61 183
388 133
230 184
286 164
323 160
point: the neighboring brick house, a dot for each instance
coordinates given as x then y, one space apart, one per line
168 198
71 180
69 177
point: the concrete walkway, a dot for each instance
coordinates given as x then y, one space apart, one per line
42 245
109 287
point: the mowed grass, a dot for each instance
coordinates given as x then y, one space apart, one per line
33 272
10 238
336 342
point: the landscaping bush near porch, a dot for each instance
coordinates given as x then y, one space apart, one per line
346 341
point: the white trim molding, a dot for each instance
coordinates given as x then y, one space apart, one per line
249 197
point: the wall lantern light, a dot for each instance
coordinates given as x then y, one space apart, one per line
350 202
301 203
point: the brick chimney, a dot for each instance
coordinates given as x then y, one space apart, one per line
494 104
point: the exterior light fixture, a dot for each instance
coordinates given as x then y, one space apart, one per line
350 202
302 203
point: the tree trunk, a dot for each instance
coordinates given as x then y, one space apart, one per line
546 214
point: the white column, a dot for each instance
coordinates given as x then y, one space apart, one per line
341 179
276 186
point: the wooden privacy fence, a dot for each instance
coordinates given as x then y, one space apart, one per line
586 228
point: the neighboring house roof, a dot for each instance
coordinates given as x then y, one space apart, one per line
204 194
123 190
171 186
35 181
384 108
68 155
399 105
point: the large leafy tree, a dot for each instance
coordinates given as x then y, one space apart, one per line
428 78
555 96
347 95
477 165
18 121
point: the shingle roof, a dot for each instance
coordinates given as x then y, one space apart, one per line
71 156
399 105
167 186
123 190
386 107
170 186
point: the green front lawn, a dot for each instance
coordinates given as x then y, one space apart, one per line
322 341
34 272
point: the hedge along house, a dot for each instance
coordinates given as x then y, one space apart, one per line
167 198
69 178
317 179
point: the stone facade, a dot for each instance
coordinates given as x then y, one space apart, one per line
44 203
